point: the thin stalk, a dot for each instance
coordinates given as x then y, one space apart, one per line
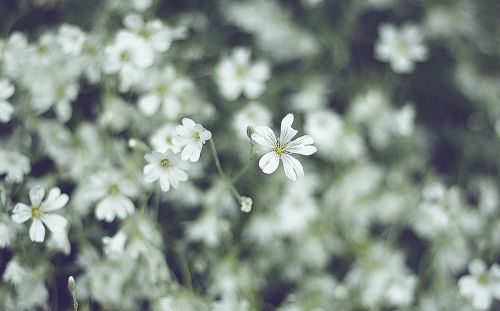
229 182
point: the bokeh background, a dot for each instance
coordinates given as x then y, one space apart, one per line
401 196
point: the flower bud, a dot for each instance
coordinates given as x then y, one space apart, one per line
71 284
250 131
246 204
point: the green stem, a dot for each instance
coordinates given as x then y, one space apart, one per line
228 181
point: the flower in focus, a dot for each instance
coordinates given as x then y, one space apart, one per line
40 212
191 137
281 148
236 75
163 166
6 91
400 47
480 285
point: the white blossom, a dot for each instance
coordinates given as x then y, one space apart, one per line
191 137
282 148
480 285
164 166
41 212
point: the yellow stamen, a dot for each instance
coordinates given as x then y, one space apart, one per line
36 212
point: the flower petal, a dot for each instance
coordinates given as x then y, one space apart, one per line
21 213
55 200
302 145
269 162
292 166
37 231
264 136
55 223
36 195
287 132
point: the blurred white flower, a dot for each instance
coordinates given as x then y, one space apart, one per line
281 148
191 137
112 191
163 88
162 139
164 166
400 47
127 55
252 114
71 38
236 75
6 91
41 213
114 246
154 32
15 165
481 285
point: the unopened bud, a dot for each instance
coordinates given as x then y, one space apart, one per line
246 204
71 284
250 131
135 143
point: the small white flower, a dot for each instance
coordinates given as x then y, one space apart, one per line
114 246
15 165
162 139
6 91
236 75
71 38
400 47
191 137
40 212
281 148
112 191
480 285
163 89
246 204
163 166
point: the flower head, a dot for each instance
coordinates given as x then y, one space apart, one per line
480 285
400 47
191 137
40 212
281 148
163 166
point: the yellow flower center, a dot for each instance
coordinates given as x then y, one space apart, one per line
161 89
125 56
144 33
113 189
165 163
36 212
197 136
483 278
280 151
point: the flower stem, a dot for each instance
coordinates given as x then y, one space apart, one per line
229 182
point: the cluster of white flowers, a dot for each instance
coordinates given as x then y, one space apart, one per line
139 155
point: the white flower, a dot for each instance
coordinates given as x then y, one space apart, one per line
162 139
191 137
6 91
164 88
113 191
114 246
253 113
281 148
71 38
480 285
236 75
15 165
163 166
40 212
246 204
127 56
154 32
401 47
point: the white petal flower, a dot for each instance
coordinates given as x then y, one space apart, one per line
163 166
481 285
6 91
401 47
281 148
40 213
191 137
236 75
